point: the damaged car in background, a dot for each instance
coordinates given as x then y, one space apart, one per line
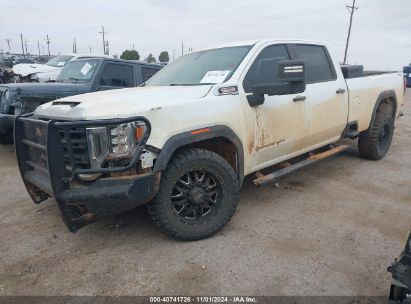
47 72
36 72
77 77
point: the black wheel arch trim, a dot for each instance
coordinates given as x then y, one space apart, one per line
186 138
383 95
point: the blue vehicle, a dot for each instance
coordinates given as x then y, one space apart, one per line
407 75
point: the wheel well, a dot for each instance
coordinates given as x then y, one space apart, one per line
387 104
219 145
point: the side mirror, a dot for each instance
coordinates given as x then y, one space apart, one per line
290 80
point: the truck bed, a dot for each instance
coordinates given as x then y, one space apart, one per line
364 91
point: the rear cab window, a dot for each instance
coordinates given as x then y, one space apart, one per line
117 75
148 72
318 64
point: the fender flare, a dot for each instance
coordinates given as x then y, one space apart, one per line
381 97
198 135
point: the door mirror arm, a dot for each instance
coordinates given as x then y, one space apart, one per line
255 99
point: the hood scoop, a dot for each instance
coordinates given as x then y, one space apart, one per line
61 110
71 104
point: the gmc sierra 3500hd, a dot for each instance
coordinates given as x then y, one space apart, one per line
184 141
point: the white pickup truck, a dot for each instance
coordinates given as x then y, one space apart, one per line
184 141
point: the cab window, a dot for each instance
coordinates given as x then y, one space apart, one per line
265 67
318 66
147 73
117 75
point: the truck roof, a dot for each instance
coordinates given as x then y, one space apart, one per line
121 60
266 40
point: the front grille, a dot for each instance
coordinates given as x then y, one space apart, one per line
35 138
75 149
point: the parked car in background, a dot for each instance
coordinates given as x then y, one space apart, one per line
24 61
77 77
36 72
184 141
407 75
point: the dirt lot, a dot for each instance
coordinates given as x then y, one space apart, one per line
330 229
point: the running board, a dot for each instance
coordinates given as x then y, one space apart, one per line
272 177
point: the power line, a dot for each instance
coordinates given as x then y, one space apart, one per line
351 10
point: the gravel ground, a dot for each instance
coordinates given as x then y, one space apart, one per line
329 229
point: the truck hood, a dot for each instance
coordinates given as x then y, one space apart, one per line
48 89
48 76
120 103
25 69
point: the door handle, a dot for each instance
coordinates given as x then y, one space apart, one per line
340 91
299 98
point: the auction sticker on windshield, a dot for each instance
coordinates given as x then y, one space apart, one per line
215 76
86 67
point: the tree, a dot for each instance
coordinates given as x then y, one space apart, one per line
150 58
130 55
164 57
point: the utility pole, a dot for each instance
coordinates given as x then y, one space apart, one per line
90 49
74 46
182 48
38 47
351 10
107 51
8 43
104 39
25 43
48 44
22 45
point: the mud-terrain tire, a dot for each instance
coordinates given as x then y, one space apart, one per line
375 142
197 197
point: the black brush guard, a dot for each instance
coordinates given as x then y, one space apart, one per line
51 155
401 275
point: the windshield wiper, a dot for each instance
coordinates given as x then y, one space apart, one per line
189 84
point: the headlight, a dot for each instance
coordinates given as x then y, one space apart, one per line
114 142
124 137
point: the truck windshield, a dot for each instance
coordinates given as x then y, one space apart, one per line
59 61
78 70
200 68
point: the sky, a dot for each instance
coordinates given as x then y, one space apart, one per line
380 39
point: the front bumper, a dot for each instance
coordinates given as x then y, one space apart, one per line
52 154
401 271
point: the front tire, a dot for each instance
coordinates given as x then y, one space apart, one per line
198 195
375 142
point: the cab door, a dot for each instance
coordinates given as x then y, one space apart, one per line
326 96
281 121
